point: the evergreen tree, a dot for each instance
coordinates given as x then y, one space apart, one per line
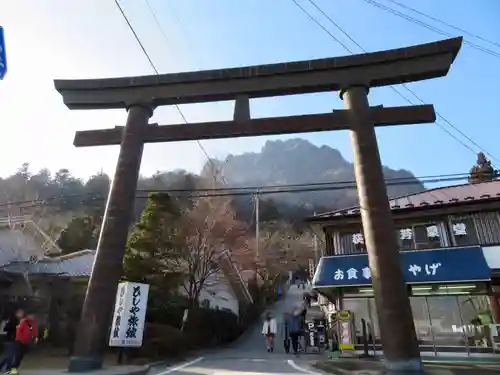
153 244
80 234
483 171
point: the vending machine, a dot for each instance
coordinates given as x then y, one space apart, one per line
315 335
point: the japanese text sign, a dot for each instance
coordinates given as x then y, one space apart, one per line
130 312
438 265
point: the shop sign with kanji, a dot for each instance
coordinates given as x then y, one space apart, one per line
130 312
423 266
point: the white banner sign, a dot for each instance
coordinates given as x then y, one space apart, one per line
129 315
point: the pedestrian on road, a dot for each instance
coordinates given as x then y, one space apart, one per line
26 335
269 330
285 331
10 345
295 330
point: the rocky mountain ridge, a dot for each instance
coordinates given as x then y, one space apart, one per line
298 161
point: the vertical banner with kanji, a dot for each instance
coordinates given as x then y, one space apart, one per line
130 312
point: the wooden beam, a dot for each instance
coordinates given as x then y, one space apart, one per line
337 120
374 69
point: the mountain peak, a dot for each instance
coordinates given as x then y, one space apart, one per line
298 161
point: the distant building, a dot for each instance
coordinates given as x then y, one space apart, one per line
226 289
34 275
218 294
450 254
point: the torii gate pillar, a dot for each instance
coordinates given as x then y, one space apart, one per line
107 270
397 329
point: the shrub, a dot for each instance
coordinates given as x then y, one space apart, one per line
161 340
210 327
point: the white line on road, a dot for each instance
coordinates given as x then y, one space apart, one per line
301 369
180 367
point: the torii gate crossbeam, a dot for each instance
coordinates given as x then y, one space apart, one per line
351 75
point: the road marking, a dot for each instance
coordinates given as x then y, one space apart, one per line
180 367
301 369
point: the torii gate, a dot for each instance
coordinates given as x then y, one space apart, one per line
351 75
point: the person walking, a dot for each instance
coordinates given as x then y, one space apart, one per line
269 330
285 331
295 330
26 334
10 346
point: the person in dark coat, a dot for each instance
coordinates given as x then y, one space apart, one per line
10 346
294 325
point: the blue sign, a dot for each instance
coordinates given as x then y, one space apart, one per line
3 55
423 266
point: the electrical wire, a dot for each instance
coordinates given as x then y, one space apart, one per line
215 171
430 27
210 161
439 115
444 23
241 191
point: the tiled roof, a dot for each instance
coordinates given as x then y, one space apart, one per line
449 195
78 264
16 246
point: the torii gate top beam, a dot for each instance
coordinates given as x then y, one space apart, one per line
383 68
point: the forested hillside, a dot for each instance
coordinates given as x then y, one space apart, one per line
70 208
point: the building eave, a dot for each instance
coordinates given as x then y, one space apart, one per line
491 204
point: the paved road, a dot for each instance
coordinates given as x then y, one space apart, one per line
248 355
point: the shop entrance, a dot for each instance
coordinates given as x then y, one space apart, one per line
454 321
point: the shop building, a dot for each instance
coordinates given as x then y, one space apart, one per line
450 257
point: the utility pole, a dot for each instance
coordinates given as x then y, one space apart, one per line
257 224
315 244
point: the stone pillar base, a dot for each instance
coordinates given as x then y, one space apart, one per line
84 364
404 367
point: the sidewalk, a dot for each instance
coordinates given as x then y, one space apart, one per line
55 361
114 370
450 366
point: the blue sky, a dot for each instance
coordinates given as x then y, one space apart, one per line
83 39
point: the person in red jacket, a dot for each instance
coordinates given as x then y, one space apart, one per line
10 346
26 334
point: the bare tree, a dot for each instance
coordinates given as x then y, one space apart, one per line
209 228
282 249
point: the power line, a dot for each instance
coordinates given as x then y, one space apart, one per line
244 191
215 171
320 25
430 27
440 116
157 73
444 23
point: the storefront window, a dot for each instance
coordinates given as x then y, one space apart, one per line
442 323
444 317
476 317
374 327
358 306
421 319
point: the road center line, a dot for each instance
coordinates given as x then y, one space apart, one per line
301 369
180 367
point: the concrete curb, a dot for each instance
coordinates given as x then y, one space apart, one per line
142 371
377 368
